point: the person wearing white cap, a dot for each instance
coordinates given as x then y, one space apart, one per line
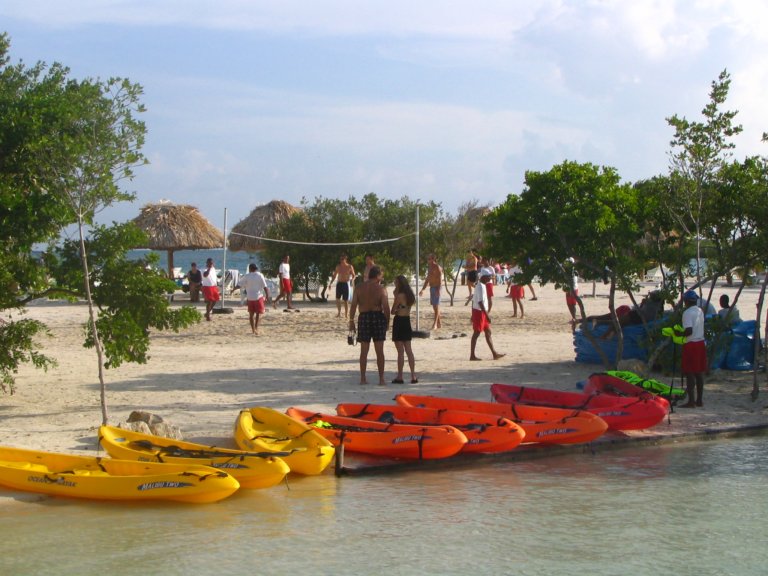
694 361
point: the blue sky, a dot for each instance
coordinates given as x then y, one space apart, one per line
442 100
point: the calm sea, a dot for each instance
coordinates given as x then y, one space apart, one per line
694 509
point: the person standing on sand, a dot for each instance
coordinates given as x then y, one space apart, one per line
286 287
343 274
369 263
402 333
470 268
516 292
371 300
435 281
195 279
255 286
572 293
481 322
210 288
694 361
487 270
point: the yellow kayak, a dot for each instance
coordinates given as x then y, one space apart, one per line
251 469
267 429
98 478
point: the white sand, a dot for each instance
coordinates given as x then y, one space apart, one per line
199 379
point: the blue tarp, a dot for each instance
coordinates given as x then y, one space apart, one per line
738 357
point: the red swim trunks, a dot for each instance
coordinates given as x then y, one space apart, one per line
256 306
286 285
517 291
570 298
480 321
694 358
211 293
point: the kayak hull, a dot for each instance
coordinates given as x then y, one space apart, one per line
96 478
485 432
251 471
264 429
541 424
382 439
620 413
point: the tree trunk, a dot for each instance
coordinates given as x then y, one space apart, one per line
756 354
92 321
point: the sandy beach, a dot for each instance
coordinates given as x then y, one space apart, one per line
200 378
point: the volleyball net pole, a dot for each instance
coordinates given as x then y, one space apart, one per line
416 288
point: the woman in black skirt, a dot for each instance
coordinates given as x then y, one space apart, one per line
404 298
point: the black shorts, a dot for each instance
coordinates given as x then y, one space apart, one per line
342 291
401 329
372 326
472 276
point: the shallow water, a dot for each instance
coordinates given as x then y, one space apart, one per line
694 509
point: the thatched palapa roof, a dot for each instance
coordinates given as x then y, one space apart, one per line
177 227
257 223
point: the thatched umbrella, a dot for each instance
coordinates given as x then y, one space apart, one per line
257 223
177 227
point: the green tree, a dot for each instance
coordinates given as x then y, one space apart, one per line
577 211
66 146
698 151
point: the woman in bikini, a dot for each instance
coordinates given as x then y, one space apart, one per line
402 333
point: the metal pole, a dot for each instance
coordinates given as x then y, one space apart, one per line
416 288
224 261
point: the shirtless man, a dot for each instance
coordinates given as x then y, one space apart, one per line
435 281
371 299
470 267
343 274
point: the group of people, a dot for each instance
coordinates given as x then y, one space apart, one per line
253 284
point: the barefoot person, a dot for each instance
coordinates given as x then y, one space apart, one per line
470 268
255 286
371 300
210 288
286 287
343 274
402 333
481 322
435 281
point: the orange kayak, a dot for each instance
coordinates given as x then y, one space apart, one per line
383 439
541 424
484 432
619 412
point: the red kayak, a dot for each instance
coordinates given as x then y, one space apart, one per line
620 413
602 383
541 424
485 432
382 439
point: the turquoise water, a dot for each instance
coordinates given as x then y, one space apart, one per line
688 509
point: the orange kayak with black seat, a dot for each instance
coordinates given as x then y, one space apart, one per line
541 424
384 439
620 413
484 432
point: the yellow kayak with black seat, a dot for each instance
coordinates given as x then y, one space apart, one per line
251 469
265 429
96 478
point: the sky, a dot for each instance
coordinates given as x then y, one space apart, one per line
438 100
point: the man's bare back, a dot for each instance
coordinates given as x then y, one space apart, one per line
370 296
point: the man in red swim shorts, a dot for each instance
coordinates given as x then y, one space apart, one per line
210 287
